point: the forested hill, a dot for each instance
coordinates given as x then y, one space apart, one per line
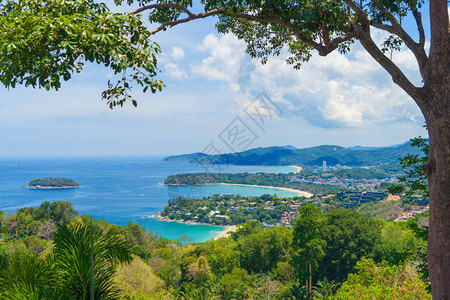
283 156
51 183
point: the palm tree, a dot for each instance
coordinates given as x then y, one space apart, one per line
324 289
73 246
28 276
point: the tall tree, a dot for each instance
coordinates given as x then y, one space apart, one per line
307 243
349 236
41 42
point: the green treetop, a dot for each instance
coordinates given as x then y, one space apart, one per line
45 42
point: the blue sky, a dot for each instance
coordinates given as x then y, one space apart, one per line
342 100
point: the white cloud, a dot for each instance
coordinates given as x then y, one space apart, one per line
336 91
174 71
225 57
177 53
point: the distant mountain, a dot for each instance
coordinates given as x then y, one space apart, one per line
375 148
289 147
186 157
314 156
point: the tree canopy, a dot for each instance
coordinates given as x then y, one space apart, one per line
42 42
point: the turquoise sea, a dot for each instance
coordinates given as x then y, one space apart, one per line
120 189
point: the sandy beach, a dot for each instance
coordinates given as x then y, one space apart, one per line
297 168
226 232
298 192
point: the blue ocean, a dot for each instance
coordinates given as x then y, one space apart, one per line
120 189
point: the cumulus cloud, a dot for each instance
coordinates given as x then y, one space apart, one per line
336 91
224 60
177 53
174 71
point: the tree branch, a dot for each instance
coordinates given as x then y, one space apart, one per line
190 17
360 13
397 75
416 48
248 17
323 50
418 17
162 5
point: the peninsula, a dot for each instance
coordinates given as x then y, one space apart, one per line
51 183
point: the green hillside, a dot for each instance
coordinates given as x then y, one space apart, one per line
313 156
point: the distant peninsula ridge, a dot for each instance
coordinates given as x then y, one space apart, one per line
313 156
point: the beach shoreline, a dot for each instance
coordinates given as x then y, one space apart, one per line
221 234
227 232
298 192
297 168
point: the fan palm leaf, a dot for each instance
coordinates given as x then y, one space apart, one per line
73 260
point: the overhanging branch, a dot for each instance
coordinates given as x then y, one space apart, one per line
416 48
397 75
322 49
418 17
162 5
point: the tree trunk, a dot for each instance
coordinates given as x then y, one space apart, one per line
436 109
435 106
437 170
310 279
306 286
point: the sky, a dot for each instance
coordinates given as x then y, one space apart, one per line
214 89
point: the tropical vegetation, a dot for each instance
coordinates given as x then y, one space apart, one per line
334 254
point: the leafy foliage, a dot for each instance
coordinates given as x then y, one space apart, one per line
137 279
45 42
324 289
307 244
374 281
28 276
348 236
415 180
254 263
73 248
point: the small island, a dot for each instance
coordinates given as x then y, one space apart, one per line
51 183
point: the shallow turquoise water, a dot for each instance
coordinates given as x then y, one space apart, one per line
119 189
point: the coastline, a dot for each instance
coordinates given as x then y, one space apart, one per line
297 168
158 217
40 187
224 233
298 192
